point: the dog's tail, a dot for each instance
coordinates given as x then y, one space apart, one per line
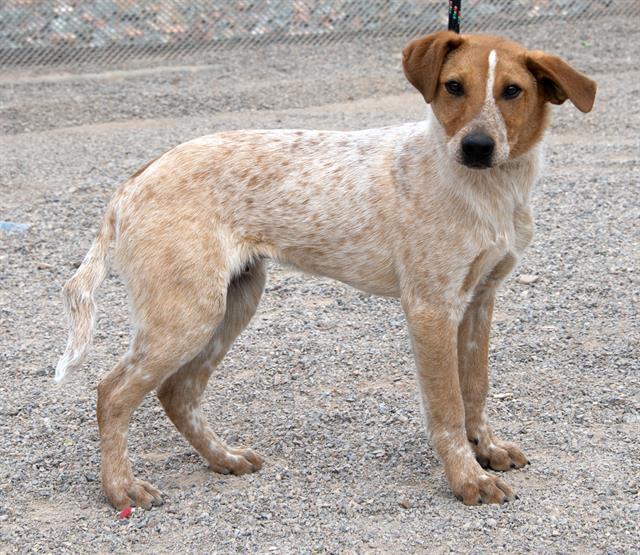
78 296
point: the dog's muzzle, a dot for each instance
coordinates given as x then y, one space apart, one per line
477 150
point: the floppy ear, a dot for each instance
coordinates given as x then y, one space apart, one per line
422 60
560 81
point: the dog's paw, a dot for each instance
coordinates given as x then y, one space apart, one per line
237 461
128 492
499 455
479 487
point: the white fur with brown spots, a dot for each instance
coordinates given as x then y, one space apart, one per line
396 211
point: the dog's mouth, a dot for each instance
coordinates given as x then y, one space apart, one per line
476 165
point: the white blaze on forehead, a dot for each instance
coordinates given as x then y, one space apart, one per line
491 75
491 119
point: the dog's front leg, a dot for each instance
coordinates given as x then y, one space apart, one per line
434 336
473 365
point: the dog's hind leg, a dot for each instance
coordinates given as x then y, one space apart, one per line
178 294
181 394
154 355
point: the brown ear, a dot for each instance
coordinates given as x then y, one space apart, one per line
422 60
560 81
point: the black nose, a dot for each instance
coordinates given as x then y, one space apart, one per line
477 149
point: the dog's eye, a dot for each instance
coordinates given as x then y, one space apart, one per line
511 91
454 88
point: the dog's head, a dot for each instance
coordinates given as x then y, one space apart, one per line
489 94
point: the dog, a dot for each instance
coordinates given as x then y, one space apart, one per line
435 213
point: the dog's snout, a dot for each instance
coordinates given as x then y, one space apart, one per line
477 149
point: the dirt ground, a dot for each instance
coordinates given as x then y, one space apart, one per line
322 382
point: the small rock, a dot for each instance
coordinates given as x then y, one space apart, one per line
501 396
44 266
527 279
405 503
46 371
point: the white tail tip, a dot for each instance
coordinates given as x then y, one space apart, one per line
61 368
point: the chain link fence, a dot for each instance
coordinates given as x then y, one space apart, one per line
108 32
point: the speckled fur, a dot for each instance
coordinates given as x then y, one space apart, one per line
391 211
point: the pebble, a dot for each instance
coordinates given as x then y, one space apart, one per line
527 279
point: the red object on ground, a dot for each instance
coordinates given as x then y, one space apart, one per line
125 513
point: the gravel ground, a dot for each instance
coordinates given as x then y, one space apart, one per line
322 381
